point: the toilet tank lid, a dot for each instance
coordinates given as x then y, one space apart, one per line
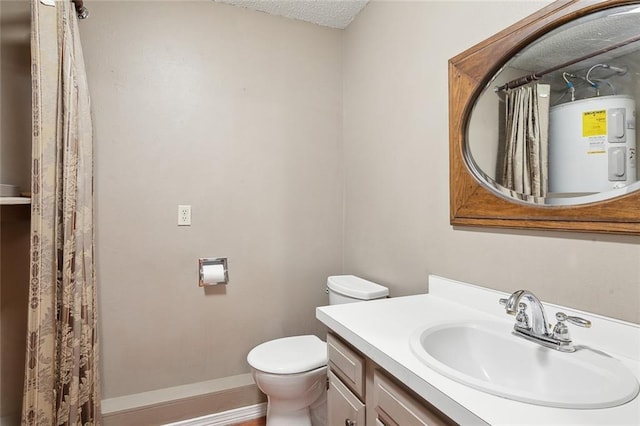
289 355
356 287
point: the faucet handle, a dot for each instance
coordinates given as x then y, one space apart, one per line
561 331
505 303
581 322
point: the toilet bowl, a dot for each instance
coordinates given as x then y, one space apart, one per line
292 371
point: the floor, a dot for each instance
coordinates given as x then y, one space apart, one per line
257 422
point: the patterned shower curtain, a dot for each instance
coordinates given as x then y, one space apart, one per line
525 168
61 372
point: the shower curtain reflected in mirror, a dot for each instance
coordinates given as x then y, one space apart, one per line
61 372
525 168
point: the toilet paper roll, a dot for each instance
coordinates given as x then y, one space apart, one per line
213 274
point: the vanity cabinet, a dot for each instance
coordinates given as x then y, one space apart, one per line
361 393
345 407
345 397
393 406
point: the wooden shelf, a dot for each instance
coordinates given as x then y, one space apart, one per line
11 201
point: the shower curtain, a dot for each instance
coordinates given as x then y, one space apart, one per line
525 168
61 371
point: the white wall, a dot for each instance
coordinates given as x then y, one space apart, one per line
396 169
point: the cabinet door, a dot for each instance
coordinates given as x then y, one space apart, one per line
342 405
394 406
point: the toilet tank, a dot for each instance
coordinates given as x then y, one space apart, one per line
349 289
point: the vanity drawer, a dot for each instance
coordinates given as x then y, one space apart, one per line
396 407
347 364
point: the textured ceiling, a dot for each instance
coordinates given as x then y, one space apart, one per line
582 37
328 13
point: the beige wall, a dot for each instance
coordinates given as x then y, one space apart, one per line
238 114
396 166
15 152
14 293
15 85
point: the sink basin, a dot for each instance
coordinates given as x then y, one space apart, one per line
486 356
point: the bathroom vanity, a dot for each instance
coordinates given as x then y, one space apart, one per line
377 376
361 392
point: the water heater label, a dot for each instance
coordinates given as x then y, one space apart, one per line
594 123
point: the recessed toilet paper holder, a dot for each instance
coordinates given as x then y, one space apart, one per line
213 271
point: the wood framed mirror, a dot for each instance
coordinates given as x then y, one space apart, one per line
474 201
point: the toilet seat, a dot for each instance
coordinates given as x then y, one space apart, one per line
289 355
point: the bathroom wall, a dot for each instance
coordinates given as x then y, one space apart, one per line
15 154
14 292
15 81
396 169
237 113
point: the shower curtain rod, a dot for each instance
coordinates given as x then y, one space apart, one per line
81 10
537 75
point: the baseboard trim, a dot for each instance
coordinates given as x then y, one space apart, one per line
183 403
226 418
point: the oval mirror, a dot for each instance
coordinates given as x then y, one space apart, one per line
556 124
575 64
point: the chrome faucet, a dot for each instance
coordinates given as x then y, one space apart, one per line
538 329
539 325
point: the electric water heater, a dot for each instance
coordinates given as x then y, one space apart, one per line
592 145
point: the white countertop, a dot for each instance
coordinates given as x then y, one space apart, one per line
381 330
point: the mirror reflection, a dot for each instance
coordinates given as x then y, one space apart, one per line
557 124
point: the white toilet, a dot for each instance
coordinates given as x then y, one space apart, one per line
292 371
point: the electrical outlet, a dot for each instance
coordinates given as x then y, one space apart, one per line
184 215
